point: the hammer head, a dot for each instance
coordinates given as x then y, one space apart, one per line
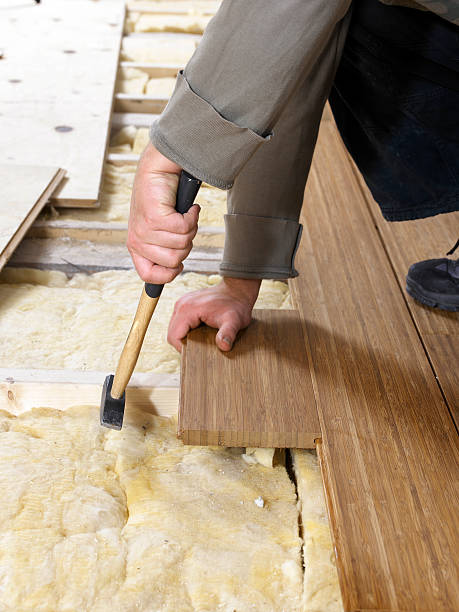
111 409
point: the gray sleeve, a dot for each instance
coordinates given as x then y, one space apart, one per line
264 205
234 89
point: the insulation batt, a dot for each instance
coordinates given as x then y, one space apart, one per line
163 49
94 519
321 587
188 24
116 194
136 81
82 323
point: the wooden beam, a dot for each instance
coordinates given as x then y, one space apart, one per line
389 452
259 394
58 76
407 243
141 103
154 70
74 256
21 397
95 231
24 190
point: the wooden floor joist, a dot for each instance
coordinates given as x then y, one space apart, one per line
20 397
63 56
73 256
389 448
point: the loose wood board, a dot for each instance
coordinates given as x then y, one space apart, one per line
259 394
24 190
57 77
389 451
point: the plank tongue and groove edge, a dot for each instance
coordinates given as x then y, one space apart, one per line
258 394
389 452
58 78
24 190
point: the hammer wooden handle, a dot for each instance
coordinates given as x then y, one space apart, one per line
133 344
187 189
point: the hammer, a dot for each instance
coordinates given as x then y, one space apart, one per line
114 390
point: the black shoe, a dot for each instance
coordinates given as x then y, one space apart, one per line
435 282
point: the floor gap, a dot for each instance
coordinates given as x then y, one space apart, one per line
292 476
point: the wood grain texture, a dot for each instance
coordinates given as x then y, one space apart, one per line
259 394
58 77
20 397
389 448
407 243
24 190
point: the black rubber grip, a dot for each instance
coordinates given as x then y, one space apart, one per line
188 188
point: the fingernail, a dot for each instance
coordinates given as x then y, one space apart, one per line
227 340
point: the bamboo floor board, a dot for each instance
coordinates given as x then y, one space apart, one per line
54 110
259 394
24 191
389 451
407 243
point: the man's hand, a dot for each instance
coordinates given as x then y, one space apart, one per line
227 306
159 238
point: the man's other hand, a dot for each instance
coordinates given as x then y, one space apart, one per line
227 307
159 238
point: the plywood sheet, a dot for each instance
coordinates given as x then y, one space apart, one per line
407 243
389 451
24 190
259 394
57 77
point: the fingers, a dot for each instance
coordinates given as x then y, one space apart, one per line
180 324
168 240
152 273
228 331
166 219
167 258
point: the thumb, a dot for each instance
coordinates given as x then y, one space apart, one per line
227 334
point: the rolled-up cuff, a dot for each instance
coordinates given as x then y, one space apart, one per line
191 133
260 247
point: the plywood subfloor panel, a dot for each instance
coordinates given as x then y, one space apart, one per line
389 451
57 78
259 394
24 190
407 243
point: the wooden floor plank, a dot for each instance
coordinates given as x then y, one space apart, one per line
259 394
407 243
58 77
24 190
389 451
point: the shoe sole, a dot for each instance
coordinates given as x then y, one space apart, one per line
414 292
